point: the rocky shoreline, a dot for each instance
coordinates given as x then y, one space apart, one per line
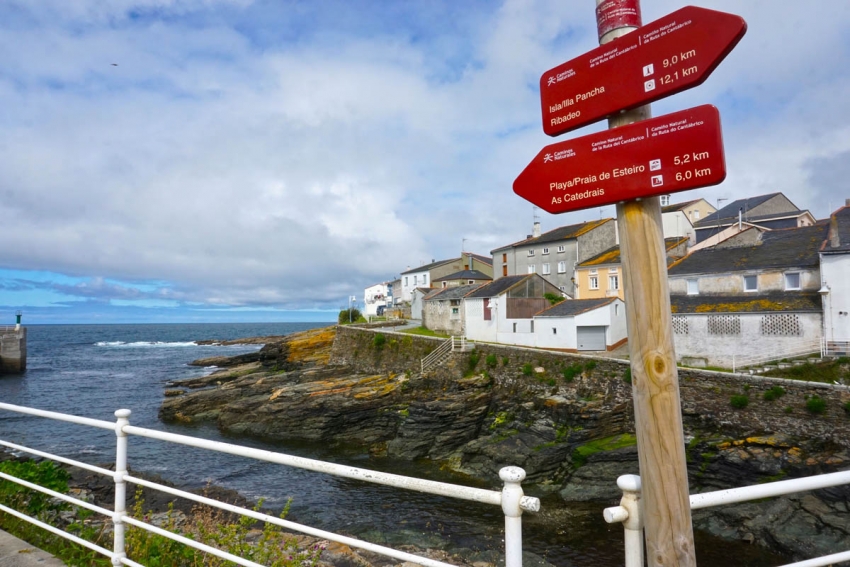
565 419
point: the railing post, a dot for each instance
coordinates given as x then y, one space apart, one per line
511 497
629 512
118 550
733 363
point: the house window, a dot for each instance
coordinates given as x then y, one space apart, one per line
532 326
531 252
594 282
454 301
546 270
562 267
505 270
554 330
425 279
751 283
545 250
792 280
455 310
616 309
532 269
470 282
665 200
696 215
405 281
562 288
613 282
445 284
561 249
693 287
415 280
514 327
505 257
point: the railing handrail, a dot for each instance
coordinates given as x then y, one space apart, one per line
628 512
444 347
510 498
802 348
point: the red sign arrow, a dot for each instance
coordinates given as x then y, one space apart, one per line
662 155
669 55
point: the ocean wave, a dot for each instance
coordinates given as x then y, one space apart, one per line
145 344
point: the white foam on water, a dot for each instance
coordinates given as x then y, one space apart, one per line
145 344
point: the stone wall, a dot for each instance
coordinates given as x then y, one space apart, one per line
706 395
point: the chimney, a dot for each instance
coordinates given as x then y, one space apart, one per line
847 202
536 231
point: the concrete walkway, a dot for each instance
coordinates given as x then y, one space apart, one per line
18 553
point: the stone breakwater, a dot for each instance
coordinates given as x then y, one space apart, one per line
565 418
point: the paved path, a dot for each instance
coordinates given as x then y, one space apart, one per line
18 553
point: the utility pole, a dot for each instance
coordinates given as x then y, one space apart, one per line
655 381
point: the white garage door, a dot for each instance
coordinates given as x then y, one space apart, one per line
591 338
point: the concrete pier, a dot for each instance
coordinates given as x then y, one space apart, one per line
13 349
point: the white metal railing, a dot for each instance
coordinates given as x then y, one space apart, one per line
7 328
629 510
801 348
436 356
460 344
840 347
511 498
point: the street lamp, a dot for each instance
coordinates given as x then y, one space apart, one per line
351 299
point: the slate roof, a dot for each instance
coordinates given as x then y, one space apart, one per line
573 307
465 275
730 211
784 248
750 303
479 258
430 266
456 292
562 233
498 286
838 240
612 255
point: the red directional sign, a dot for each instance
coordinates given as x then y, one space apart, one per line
669 55
662 155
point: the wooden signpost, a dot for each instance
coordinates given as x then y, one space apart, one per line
633 66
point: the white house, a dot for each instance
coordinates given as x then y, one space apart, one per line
835 277
375 296
582 325
752 294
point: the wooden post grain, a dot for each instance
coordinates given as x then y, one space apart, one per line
655 378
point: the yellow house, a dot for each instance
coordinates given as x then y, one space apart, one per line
602 275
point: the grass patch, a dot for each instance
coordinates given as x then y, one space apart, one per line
424 332
627 375
816 405
378 341
829 372
527 369
583 452
571 371
739 401
491 361
773 394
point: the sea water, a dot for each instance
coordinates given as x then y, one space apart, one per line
93 370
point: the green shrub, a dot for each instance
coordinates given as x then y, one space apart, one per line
491 360
379 340
553 298
44 474
472 362
505 360
590 366
816 405
347 316
527 369
846 408
774 393
571 371
739 401
627 375
788 409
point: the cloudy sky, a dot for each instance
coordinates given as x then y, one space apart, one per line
211 160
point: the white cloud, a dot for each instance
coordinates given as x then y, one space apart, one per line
294 172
